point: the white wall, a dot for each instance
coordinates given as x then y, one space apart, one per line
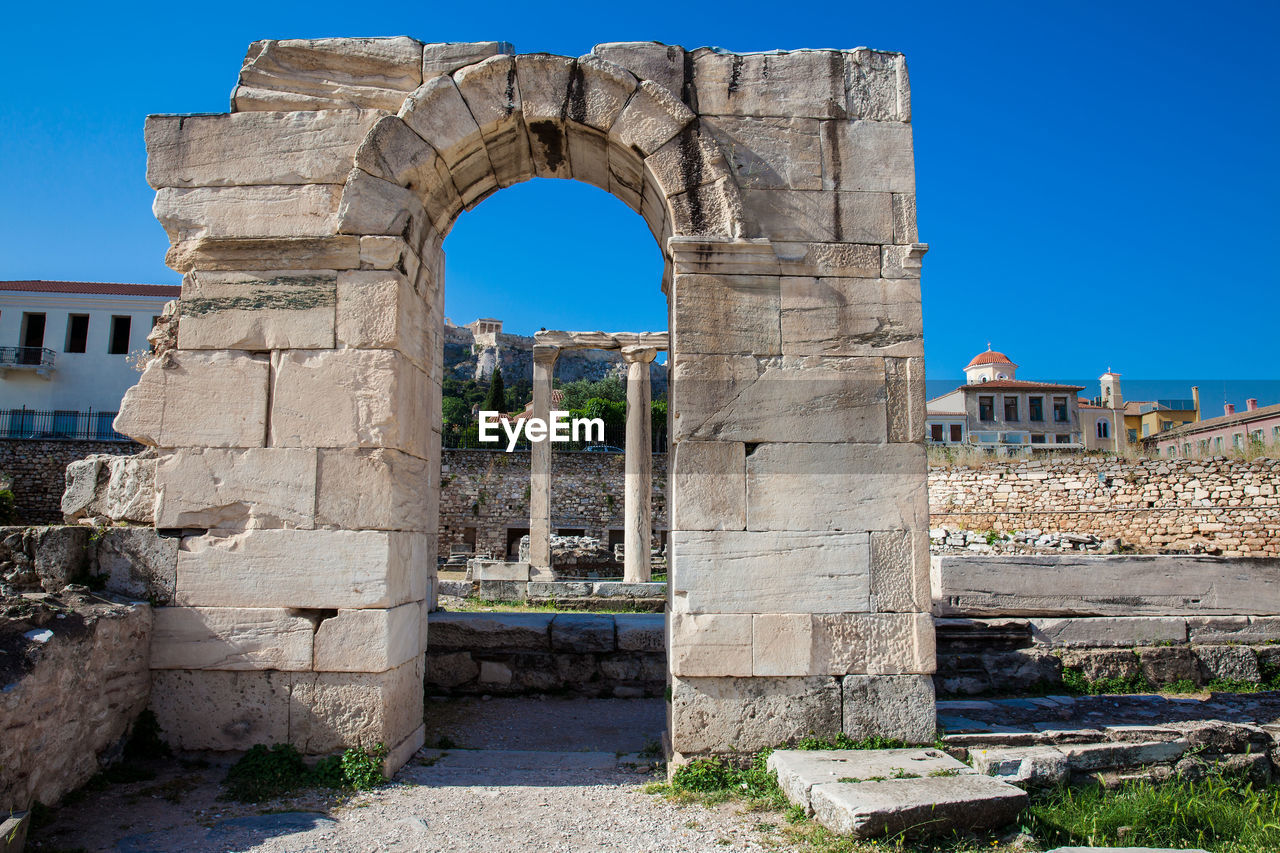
78 381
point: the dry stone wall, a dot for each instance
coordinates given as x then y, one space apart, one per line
488 492
38 468
1217 504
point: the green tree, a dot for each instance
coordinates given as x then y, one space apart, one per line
496 399
456 411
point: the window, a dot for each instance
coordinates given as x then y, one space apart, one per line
957 433
1186 448
935 433
1146 429
1038 439
1010 408
1060 409
119 336
1133 436
77 332
1164 425
1275 433
1062 439
1035 405
32 339
1104 428
1203 444
1236 440
1217 443
986 408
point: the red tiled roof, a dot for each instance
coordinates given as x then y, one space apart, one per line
1020 385
989 357
99 288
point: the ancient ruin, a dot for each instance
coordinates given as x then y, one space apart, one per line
297 419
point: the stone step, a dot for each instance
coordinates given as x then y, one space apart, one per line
1045 765
871 793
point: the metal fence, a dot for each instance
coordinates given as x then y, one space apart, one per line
26 357
65 424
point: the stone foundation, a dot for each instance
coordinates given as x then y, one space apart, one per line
621 655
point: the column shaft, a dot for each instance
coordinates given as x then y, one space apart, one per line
638 483
544 363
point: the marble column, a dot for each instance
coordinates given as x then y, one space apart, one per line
638 483
544 366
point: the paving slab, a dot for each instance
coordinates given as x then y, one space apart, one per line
800 770
924 806
1126 850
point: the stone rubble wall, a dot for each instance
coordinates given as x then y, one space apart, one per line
1217 504
68 717
489 490
38 469
621 655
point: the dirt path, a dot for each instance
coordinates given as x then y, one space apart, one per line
521 790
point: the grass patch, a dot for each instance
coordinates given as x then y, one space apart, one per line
266 773
1219 813
1074 682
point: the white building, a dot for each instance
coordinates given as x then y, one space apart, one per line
65 353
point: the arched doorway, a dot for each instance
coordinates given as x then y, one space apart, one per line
296 415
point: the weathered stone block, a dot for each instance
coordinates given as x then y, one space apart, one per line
316 74
1114 631
763 572
648 60
258 310
802 83
582 632
122 488
1140 585
877 86
445 58
839 260
650 119
138 563
219 709
330 711
710 644
198 399
799 771
928 806
255 253
868 156
261 487
371 640
746 714
904 386
895 706
844 487
371 206
770 152
791 398
851 316
900 571
725 315
349 398
375 489
813 216
709 486
640 632
300 210
253 148
230 638
380 309
490 631
437 112
492 92
302 568
781 644
1228 663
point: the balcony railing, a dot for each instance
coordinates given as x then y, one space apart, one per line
63 424
37 359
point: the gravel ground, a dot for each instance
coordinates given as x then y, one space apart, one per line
549 775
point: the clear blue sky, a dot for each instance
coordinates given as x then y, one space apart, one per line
1097 181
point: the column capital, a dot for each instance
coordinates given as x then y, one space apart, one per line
639 354
545 353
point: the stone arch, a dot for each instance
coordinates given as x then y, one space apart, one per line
293 415
459 138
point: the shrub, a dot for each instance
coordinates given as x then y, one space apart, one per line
265 773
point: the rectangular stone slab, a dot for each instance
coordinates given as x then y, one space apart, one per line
924 806
800 770
1144 585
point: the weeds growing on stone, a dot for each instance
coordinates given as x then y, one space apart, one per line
265 773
